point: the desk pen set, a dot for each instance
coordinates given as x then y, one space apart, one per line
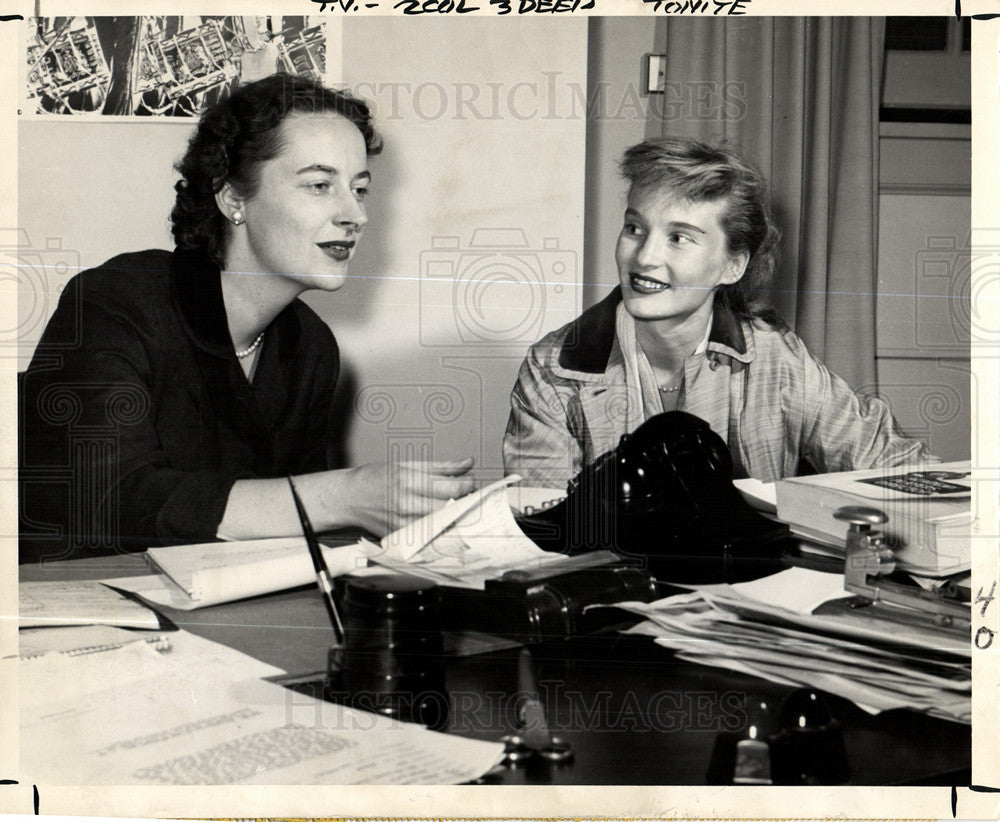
388 654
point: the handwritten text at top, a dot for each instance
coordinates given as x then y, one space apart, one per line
713 8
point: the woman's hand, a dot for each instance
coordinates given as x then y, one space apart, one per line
385 496
379 497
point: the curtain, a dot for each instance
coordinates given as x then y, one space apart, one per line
800 97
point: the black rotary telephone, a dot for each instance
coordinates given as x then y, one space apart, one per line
664 498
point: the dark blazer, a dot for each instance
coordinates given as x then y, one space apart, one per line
136 417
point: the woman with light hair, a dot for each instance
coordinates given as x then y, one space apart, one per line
684 330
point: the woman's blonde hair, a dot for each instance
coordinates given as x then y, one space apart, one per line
700 172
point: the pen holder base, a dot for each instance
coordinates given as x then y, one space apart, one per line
391 660
418 697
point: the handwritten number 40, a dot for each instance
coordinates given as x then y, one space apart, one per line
984 636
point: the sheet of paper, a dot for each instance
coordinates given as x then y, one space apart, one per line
527 500
196 653
165 721
411 538
844 626
79 603
868 697
75 640
798 589
761 496
157 589
481 544
809 653
56 678
801 590
191 660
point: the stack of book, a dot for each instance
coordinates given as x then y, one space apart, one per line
928 507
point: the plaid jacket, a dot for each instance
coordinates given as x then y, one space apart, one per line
757 387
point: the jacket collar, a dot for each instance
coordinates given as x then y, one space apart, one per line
728 336
197 286
589 344
590 338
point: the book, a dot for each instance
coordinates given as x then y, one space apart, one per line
215 572
928 507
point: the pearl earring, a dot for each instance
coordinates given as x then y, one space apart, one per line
237 217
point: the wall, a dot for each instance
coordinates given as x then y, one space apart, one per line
620 113
925 259
475 235
88 191
475 239
924 282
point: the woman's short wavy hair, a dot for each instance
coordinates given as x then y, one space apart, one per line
700 172
234 137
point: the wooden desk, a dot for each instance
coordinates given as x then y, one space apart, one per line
633 713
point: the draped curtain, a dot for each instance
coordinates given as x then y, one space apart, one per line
800 97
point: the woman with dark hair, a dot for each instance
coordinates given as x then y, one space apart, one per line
173 392
684 330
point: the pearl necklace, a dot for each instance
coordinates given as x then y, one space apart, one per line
246 352
670 390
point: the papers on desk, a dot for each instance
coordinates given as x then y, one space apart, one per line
77 640
199 714
761 496
776 638
79 603
466 542
462 544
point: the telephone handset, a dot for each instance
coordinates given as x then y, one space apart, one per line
665 498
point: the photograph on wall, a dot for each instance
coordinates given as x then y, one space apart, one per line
168 66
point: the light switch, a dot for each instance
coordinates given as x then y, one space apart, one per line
656 73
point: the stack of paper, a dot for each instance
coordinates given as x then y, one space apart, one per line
765 629
196 576
68 619
79 603
200 714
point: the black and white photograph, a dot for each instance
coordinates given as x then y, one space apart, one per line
586 412
162 66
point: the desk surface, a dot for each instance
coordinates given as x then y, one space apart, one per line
633 713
